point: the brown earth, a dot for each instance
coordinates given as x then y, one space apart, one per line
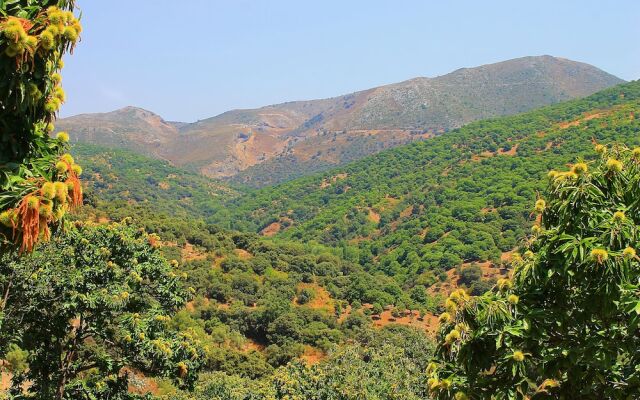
322 299
190 253
411 318
585 118
139 383
312 355
243 254
271 230
374 216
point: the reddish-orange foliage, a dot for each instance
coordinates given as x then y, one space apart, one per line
29 219
31 225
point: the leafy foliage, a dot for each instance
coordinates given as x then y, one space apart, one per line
87 305
386 364
96 300
83 312
567 325
37 182
250 290
115 178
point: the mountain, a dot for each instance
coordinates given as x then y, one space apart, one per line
128 128
460 198
278 142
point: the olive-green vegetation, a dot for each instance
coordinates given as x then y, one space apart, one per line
88 308
261 303
119 177
385 364
566 326
378 231
430 206
86 305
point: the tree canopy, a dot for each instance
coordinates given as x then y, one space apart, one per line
75 313
88 304
566 325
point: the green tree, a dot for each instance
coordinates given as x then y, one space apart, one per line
470 275
95 300
567 325
85 306
306 295
38 182
355 372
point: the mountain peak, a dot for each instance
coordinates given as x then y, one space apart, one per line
128 127
277 142
136 110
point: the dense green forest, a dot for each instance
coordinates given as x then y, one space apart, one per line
260 302
565 325
422 208
123 176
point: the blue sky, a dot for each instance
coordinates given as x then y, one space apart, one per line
193 59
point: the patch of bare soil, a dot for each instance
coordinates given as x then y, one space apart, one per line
428 322
312 355
139 383
585 118
511 152
251 345
406 212
243 254
190 253
321 300
327 182
272 229
374 216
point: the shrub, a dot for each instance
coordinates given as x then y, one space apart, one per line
470 275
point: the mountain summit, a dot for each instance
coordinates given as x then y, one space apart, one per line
277 142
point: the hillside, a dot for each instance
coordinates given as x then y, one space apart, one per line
456 199
129 128
279 142
400 228
259 302
116 177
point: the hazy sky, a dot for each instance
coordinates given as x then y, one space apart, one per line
193 59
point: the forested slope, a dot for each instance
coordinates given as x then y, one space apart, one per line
462 197
260 303
117 176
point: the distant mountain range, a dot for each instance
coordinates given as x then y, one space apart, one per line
278 142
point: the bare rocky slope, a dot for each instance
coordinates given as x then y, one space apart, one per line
275 143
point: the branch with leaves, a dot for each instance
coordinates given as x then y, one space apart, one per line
566 325
38 181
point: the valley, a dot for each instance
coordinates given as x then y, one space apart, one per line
471 235
385 239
